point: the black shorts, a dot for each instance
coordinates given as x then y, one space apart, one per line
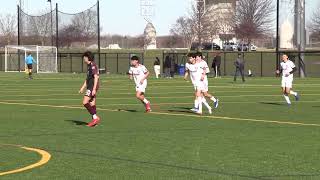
89 94
29 66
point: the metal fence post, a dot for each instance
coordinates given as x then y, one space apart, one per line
224 64
105 61
117 63
71 63
261 65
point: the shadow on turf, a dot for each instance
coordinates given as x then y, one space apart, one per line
271 103
78 123
128 110
181 110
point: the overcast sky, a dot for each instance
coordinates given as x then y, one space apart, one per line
123 16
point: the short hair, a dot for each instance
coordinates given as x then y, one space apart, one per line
190 54
134 58
198 54
89 55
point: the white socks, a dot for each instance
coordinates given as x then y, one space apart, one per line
196 103
293 93
94 116
286 97
145 101
204 101
199 104
213 99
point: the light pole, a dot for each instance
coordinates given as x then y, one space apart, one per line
51 22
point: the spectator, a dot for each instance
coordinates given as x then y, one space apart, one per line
172 66
216 65
239 64
167 66
157 68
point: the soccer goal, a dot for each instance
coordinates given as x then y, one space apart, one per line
44 56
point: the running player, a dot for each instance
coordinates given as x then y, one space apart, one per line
139 73
92 86
287 68
191 69
202 81
29 62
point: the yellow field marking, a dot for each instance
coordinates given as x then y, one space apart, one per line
174 114
45 157
151 97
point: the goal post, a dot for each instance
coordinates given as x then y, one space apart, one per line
44 56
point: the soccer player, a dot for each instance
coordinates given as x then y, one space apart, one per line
29 62
191 69
202 81
92 86
139 73
287 68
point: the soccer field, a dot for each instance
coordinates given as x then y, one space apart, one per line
252 135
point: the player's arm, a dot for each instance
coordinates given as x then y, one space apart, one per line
294 69
83 87
146 74
186 74
34 61
204 73
95 84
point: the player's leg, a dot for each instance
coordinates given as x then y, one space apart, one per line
199 99
291 92
95 118
212 98
205 103
286 95
140 96
30 70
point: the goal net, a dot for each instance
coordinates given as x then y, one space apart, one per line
44 56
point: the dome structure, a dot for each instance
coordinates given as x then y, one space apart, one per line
150 37
286 35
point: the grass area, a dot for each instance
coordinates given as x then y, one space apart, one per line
252 135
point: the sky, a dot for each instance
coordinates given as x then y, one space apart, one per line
123 16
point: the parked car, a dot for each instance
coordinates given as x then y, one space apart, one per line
229 46
205 46
245 47
253 47
242 47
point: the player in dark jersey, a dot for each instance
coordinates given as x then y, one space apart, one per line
92 86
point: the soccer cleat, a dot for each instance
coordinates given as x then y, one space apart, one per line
194 109
148 107
199 112
297 97
216 104
94 122
210 111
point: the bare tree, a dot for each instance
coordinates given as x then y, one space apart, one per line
39 28
184 27
8 24
253 18
315 22
86 24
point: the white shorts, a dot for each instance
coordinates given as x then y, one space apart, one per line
286 82
157 69
202 86
141 87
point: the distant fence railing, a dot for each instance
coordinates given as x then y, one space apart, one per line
261 64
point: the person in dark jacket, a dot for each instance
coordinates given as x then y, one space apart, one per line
216 65
239 64
167 66
173 67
